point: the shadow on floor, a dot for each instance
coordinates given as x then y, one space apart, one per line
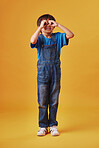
79 127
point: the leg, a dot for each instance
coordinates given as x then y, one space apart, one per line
54 96
43 97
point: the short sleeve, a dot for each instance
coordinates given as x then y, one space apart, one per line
37 43
62 39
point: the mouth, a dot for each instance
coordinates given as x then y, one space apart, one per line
48 28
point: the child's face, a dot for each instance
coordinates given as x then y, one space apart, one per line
48 28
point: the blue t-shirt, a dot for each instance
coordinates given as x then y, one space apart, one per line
60 41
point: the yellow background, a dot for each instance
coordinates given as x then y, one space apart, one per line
78 112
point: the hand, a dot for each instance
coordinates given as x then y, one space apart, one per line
43 24
53 23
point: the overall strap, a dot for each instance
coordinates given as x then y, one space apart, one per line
42 39
53 38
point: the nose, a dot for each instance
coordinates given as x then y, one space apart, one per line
48 24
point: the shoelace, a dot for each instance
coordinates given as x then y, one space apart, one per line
42 129
53 129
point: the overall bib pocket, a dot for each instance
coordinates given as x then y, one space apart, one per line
49 53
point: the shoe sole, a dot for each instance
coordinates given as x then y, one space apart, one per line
42 135
54 134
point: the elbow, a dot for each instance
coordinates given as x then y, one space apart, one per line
72 35
33 42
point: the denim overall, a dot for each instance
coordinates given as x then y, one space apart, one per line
48 82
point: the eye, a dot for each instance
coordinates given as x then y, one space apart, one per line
45 23
52 23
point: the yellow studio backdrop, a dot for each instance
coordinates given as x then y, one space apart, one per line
78 112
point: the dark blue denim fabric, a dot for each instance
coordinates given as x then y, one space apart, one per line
48 81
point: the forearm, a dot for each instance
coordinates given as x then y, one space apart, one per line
69 33
34 37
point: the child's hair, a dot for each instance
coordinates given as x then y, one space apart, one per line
45 16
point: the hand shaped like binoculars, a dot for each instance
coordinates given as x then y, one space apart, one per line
51 23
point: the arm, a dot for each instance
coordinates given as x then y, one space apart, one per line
69 34
34 37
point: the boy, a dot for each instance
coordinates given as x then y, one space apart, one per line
48 46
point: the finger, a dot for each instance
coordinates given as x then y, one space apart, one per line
51 23
44 22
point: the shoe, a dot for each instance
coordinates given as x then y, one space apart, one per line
53 130
42 131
